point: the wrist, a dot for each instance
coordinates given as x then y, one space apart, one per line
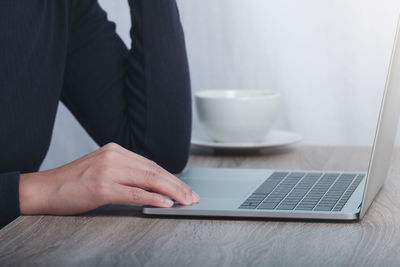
31 193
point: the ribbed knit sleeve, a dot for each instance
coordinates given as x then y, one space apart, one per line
140 97
9 197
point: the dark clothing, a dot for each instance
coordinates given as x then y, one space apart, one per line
67 50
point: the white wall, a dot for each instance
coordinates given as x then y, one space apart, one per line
328 59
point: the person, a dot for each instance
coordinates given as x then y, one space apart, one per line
135 103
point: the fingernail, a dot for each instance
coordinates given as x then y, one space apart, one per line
196 197
169 202
189 198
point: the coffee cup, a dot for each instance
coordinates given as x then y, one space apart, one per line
236 116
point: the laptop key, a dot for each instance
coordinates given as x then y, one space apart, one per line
251 203
304 208
323 208
255 197
268 206
286 207
247 207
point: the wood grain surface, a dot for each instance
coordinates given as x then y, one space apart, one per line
121 235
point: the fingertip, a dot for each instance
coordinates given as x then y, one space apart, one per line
196 197
168 203
189 199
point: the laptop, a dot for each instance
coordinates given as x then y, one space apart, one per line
299 194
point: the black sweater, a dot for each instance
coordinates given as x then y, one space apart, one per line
67 50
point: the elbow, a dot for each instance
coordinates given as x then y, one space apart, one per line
174 154
172 151
171 145
175 162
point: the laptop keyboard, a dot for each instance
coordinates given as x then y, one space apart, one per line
304 191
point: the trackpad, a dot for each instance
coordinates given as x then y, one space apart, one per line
217 187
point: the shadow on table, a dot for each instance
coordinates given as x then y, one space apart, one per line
119 210
242 152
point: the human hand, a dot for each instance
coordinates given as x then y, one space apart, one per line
110 174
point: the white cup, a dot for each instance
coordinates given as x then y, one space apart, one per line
237 115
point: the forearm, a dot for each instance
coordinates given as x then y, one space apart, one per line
158 42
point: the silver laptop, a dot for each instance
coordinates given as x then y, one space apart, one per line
299 194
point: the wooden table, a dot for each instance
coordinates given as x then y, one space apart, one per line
120 235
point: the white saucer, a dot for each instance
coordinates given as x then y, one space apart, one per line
275 138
